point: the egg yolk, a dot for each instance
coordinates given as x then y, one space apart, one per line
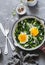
22 38
34 31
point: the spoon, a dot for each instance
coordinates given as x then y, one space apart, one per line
6 48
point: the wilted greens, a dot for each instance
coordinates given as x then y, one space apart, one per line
24 26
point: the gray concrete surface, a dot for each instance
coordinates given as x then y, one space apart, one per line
6 18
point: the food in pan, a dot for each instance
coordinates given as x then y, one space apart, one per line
29 33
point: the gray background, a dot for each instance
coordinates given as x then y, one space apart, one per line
6 18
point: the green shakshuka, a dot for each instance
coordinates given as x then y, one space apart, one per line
29 33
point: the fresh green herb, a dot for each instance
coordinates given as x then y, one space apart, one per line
14 13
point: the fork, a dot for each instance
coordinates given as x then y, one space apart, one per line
6 48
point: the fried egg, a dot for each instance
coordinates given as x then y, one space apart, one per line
23 37
34 31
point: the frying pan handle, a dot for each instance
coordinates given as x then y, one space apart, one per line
42 48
